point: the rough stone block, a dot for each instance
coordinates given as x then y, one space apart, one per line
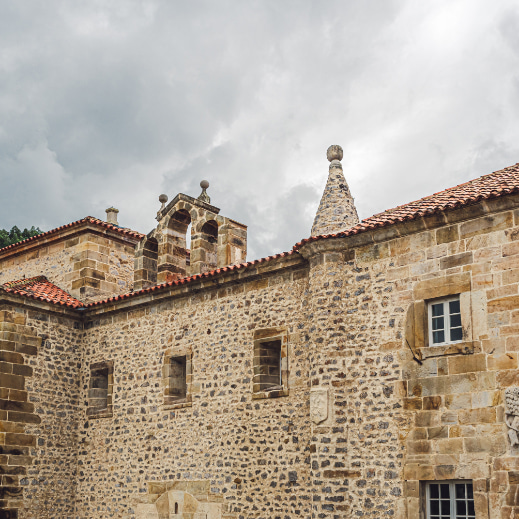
467 364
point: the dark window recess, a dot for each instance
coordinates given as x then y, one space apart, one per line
267 366
177 378
100 389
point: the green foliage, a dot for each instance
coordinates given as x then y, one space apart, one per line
15 235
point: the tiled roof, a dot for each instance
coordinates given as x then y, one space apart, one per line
41 288
87 219
189 279
494 185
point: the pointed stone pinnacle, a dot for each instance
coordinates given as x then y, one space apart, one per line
337 210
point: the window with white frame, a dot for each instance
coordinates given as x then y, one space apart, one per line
449 500
445 321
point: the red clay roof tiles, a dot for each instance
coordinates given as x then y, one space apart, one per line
494 185
41 288
87 219
190 279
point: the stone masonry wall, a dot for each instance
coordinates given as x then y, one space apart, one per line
38 427
372 412
405 412
253 454
89 266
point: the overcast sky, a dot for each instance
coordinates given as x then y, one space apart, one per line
112 102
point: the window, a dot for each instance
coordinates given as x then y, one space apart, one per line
177 377
270 363
177 380
445 321
449 500
100 389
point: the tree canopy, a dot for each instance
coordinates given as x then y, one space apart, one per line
15 235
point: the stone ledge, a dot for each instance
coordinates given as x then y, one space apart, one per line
177 405
459 348
261 395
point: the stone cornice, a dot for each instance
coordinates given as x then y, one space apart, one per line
329 244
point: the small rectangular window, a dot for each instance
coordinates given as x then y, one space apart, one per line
270 363
177 379
100 389
449 500
445 321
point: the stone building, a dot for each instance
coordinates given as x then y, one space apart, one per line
372 371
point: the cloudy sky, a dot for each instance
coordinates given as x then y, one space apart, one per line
112 102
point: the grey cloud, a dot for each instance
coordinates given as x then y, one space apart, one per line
113 103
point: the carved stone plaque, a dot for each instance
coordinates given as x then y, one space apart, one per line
512 414
318 404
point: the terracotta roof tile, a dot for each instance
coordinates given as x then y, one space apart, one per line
494 185
41 288
87 219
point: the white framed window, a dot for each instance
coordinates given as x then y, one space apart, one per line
449 500
445 321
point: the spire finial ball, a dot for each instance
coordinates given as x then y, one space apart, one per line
334 152
204 184
163 198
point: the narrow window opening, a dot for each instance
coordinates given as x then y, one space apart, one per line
100 389
176 508
268 365
177 379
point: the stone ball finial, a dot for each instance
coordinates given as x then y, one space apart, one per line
163 198
334 152
204 184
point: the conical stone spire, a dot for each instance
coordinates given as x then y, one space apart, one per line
337 210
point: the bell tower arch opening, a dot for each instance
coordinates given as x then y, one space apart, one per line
173 251
204 247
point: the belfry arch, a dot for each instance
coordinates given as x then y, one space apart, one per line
216 241
204 247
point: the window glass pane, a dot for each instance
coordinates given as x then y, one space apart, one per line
456 334
437 309
438 323
469 491
446 508
438 337
471 509
444 491
461 508
455 320
435 507
433 491
460 490
454 307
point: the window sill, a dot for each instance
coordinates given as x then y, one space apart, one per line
270 394
178 404
93 414
458 348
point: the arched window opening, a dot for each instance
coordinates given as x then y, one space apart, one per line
204 248
173 252
188 245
